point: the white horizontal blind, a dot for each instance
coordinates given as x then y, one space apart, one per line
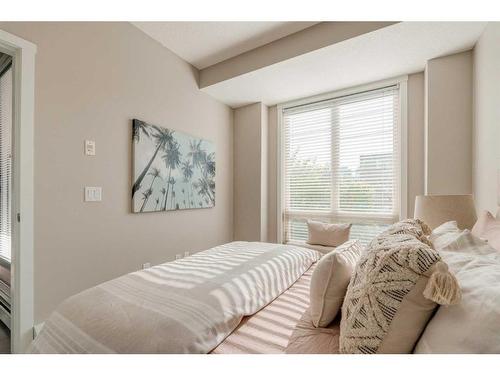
342 163
5 162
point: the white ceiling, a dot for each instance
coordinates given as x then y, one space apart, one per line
206 43
388 52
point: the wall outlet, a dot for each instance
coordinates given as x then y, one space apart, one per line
146 265
178 256
186 254
93 193
90 148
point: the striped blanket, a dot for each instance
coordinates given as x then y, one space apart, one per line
270 329
187 306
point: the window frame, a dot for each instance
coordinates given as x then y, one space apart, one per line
22 318
402 82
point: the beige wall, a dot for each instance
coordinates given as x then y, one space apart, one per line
250 136
91 80
486 141
264 182
416 139
272 176
449 124
415 151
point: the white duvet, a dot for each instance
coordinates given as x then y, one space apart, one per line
473 325
186 306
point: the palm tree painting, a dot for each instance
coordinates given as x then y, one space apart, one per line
163 138
172 170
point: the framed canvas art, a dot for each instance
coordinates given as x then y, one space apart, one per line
171 170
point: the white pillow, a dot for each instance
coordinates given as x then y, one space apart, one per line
329 282
449 226
444 234
473 325
327 234
488 227
466 242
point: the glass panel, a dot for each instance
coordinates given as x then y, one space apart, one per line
5 163
342 161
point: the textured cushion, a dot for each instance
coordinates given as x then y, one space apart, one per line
329 282
488 228
385 310
413 227
327 234
473 325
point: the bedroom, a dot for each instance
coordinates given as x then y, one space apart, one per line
156 141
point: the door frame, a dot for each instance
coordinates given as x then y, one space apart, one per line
23 63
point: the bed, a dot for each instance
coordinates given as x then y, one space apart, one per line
283 327
241 297
252 297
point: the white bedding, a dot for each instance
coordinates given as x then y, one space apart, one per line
187 306
473 325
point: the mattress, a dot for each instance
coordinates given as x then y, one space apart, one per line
283 326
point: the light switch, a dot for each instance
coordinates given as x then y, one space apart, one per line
90 148
93 193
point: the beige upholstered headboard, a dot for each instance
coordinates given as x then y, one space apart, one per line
438 209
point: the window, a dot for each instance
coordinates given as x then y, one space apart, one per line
5 155
342 163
